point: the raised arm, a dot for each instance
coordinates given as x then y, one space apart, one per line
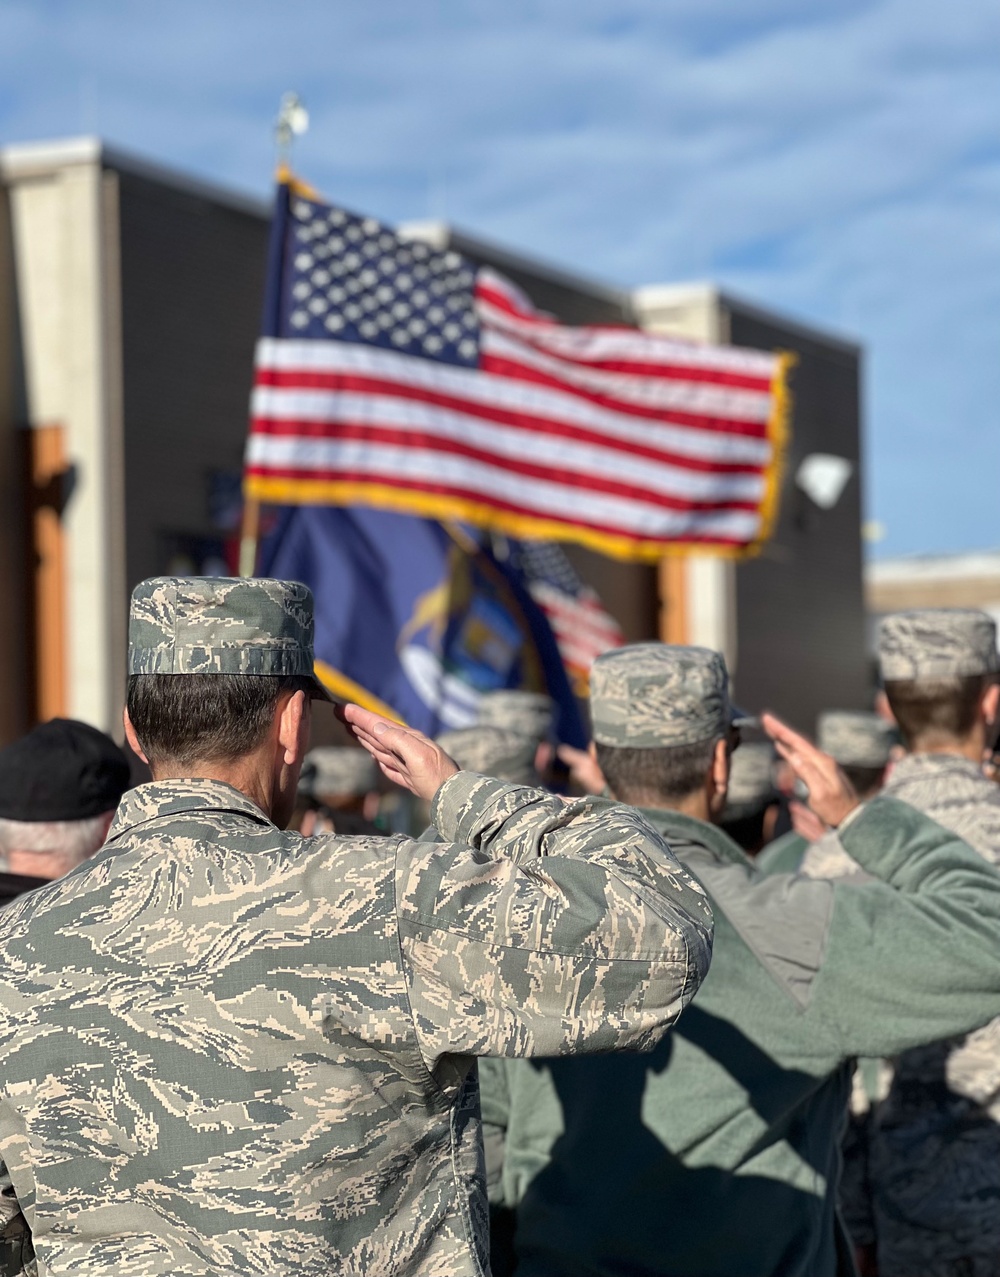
913 957
538 927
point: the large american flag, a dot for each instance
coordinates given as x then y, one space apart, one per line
395 375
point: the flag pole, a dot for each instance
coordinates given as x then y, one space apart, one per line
292 119
249 536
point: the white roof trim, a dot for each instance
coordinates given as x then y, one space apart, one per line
26 159
44 159
651 297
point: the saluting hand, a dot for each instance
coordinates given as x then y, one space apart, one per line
409 758
584 769
831 794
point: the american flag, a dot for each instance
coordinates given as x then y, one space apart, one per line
582 626
395 375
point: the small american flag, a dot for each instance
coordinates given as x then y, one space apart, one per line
582 626
394 375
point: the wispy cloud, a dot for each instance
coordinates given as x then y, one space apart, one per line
840 159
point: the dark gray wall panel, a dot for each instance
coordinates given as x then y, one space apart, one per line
800 608
192 290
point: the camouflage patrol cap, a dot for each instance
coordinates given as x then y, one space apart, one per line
222 625
492 751
339 770
751 781
648 695
855 738
937 643
529 713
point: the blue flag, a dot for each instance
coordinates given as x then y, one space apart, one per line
415 620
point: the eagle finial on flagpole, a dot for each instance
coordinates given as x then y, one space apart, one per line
293 120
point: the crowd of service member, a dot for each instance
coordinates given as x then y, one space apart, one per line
824 1100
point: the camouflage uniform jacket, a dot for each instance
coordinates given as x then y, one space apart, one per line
227 1049
717 1155
936 1156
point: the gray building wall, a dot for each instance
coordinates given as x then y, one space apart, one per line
800 605
192 284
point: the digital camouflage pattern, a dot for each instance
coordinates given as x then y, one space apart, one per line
751 781
936 1157
227 1049
648 695
531 714
717 1155
339 771
492 751
856 738
936 643
221 625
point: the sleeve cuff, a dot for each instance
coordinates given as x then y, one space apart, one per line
463 803
850 818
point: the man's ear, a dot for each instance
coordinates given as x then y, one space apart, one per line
294 722
133 740
991 704
883 708
720 769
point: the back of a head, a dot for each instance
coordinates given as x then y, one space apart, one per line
530 714
657 712
209 658
859 741
58 786
492 751
936 665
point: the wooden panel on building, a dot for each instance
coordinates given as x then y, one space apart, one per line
51 479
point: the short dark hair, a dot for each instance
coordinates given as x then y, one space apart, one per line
665 773
936 709
865 780
188 718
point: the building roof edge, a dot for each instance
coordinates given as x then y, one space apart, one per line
647 296
36 159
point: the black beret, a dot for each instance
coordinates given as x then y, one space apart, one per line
62 770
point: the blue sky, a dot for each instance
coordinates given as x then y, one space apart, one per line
836 159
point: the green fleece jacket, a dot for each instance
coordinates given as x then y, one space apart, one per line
717 1155
783 856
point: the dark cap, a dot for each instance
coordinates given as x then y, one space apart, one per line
62 770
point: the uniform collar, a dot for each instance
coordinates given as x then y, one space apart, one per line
679 828
175 797
913 766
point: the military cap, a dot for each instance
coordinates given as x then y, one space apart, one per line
492 751
855 738
529 713
649 695
340 770
222 625
62 770
751 781
937 643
